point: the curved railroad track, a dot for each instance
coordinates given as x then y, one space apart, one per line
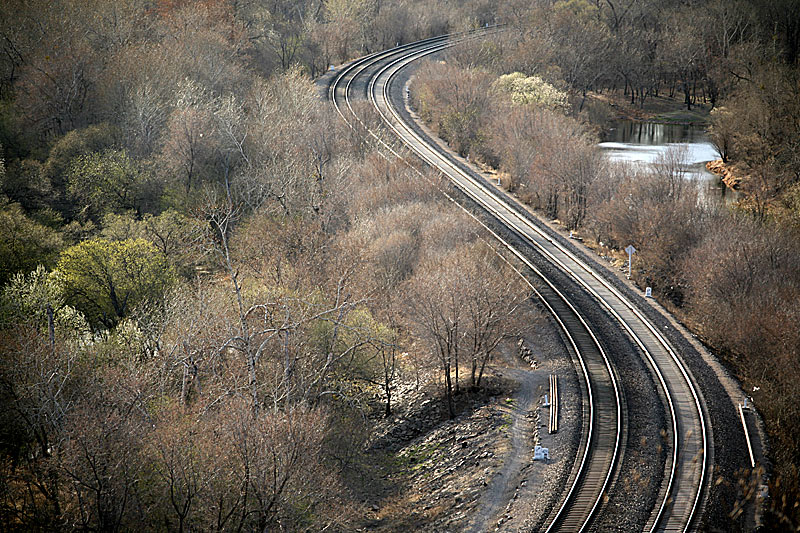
681 492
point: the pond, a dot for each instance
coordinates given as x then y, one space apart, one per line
642 142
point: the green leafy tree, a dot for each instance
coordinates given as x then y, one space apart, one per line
24 243
174 235
108 181
55 170
107 279
26 184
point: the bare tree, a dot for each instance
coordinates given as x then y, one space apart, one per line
452 100
438 312
495 309
464 305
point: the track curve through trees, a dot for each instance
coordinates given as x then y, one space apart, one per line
681 492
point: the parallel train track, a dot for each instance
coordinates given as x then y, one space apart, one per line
680 495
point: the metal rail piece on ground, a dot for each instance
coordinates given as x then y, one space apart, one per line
553 426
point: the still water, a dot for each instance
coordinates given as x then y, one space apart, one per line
643 143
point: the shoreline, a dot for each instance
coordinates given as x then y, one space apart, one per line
667 111
657 110
726 175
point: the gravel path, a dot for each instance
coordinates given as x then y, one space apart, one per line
521 494
500 489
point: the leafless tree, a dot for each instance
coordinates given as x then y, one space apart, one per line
464 305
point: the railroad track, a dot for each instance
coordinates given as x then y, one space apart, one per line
681 492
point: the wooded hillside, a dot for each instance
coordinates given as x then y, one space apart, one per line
210 286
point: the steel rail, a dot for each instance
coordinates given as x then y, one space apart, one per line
361 64
609 460
675 464
364 62
597 473
656 519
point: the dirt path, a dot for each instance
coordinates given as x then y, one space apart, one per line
502 487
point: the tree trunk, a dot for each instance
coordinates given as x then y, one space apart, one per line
51 327
387 388
451 408
456 365
483 366
474 371
687 99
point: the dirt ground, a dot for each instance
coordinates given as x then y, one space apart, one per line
475 472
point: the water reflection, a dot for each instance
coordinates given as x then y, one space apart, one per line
626 131
638 142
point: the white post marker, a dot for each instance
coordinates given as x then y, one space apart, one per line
631 250
648 291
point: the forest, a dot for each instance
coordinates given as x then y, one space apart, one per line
211 289
530 103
